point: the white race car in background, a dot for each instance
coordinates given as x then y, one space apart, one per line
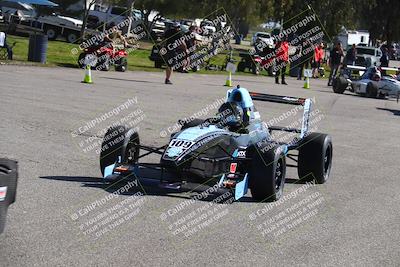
369 82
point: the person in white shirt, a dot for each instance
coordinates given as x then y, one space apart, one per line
3 44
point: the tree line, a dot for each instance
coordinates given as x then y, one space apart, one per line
380 17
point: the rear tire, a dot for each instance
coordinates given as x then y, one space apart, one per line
123 65
241 66
372 90
112 146
340 85
267 173
72 37
51 33
315 158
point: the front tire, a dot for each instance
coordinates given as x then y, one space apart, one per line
103 62
340 85
112 146
372 90
267 173
315 158
241 66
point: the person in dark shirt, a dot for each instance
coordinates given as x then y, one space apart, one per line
384 58
282 58
307 56
191 44
174 45
351 55
335 58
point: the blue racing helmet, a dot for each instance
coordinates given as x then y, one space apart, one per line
231 115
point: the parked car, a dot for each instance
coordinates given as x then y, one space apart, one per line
207 27
263 36
111 16
368 56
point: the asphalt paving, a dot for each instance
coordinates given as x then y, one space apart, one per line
65 215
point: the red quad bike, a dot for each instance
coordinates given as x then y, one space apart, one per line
102 57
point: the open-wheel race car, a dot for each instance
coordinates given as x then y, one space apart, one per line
233 150
367 81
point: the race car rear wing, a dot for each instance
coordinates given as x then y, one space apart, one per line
305 102
278 98
355 67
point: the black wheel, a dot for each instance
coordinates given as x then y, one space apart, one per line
340 85
372 90
315 158
51 33
267 172
81 60
131 147
103 63
192 123
254 68
72 37
122 66
270 71
158 64
241 66
112 146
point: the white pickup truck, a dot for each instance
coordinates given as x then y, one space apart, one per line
110 16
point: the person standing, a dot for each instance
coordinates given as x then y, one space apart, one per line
335 58
307 56
351 55
384 59
282 58
173 46
318 57
191 44
3 44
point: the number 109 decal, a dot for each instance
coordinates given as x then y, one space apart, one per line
177 146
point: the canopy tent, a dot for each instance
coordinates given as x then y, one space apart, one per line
35 2
16 5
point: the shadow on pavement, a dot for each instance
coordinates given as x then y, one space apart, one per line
395 112
152 187
129 80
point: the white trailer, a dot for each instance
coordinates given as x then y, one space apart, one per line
348 38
